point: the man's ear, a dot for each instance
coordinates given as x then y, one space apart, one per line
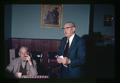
73 29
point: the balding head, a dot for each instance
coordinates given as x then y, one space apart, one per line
23 47
23 52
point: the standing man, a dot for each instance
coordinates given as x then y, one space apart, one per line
23 65
71 53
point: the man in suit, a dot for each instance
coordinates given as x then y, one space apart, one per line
23 65
71 53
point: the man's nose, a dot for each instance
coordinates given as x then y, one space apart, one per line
24 54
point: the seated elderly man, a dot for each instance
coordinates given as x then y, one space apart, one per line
23 65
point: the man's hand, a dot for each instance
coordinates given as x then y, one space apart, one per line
66 61
29 59
59 60
63 60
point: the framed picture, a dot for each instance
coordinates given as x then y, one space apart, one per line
51 15
108 20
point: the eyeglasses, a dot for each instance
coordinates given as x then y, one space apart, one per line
67 27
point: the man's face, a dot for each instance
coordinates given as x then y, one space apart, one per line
23 53
69 30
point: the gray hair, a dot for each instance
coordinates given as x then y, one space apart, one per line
72 23
23 47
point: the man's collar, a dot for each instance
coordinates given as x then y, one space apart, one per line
71 37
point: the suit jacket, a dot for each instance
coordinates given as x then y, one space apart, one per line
15 67
76 54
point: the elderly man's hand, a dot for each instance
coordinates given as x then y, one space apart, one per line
29 59
66 61
59 60
63 60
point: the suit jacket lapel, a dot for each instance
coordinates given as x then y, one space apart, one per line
17 65
64 43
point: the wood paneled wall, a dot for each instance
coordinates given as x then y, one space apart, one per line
43 45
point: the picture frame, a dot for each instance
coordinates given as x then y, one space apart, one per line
51 15
108 20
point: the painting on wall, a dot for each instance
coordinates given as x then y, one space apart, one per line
51 15
108 20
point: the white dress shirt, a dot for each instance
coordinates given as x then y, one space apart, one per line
71 39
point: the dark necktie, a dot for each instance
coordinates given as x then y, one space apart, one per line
66 49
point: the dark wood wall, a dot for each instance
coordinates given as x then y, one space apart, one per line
43 45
